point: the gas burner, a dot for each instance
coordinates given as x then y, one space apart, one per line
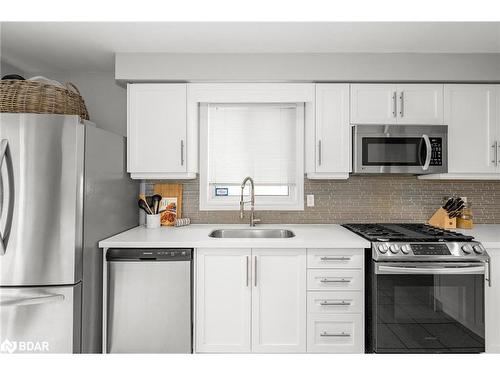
406 232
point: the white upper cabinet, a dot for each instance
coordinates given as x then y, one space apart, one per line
373 104
413 104
279 300
223 300
328 143
420 104
157 134
472 116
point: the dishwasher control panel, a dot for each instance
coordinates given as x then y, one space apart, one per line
123 255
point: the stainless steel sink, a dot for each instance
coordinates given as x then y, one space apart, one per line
251 233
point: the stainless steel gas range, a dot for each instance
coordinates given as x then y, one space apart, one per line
425 289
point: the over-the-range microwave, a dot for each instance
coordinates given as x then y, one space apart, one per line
405 149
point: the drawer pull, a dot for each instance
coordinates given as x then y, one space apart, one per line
342 334
335 281
335 258
340 303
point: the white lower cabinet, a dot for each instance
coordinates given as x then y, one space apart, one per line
335 301
250 300
273 301
492 304
223 300
279 301
335 333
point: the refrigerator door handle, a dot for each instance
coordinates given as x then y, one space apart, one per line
4 154
36 300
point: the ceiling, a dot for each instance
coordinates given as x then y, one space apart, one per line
66 46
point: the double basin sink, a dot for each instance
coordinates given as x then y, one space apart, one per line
251 233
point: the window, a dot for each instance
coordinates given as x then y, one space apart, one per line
263 141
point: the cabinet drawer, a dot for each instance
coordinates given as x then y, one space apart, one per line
335 302
334 279
335 258
334 333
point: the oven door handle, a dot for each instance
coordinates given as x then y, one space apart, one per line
428 149
399 269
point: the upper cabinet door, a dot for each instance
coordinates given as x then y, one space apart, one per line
332 135
373 104
279 300
420 104
223 300
156 130
472 116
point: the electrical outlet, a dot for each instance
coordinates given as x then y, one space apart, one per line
310 200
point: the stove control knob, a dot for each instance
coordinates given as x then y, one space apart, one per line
394 249
405 249
478 249
467 249
382 249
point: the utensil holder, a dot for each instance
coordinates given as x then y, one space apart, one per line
441 220
153 221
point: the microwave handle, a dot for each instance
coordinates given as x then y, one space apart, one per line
428 148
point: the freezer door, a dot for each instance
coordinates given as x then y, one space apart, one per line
41 199
149 307
40 320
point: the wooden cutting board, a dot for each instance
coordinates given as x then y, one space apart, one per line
171 191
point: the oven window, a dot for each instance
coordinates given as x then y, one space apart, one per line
429 313
392 151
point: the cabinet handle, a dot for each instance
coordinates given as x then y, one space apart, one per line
182 152
342 334
335 281
401 103
255 270
394 104
320 151
341 303
248 273
335 258
495 153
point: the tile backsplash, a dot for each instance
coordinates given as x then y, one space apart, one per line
362 199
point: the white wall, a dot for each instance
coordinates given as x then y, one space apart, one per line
342 67
6 68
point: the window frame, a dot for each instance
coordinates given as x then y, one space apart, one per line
293 202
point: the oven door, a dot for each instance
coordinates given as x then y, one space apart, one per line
428 308
400 149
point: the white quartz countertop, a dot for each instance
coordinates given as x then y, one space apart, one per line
196 235
487 234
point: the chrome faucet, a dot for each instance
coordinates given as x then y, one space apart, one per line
253 220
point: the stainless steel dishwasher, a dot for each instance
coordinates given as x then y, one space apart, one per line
149 301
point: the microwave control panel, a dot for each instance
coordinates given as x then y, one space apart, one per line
436 151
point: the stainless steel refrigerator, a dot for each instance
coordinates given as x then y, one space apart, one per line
63 188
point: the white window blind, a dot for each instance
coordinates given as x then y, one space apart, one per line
257 140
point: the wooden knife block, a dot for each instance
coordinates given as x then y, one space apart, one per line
441 219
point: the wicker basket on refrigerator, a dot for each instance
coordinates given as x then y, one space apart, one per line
25 96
